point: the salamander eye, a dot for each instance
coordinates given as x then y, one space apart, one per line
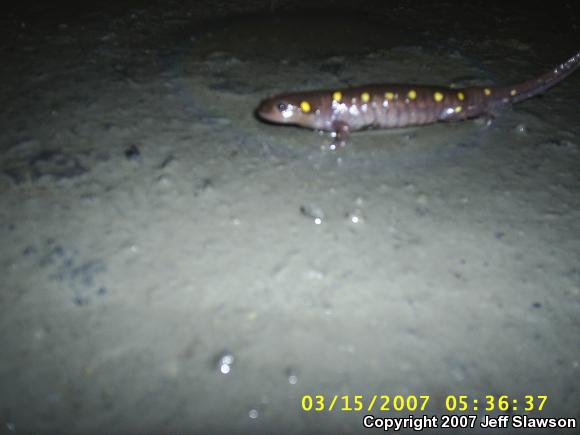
282 107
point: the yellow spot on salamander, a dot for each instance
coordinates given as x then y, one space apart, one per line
412 94
305 106
513 92
365 97
337 96
487 92
461 96
457 109
438 96
389 95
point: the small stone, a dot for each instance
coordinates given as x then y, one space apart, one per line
80 301
132 152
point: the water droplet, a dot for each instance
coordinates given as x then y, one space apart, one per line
355 217
313 212
522 129
224 363
292 377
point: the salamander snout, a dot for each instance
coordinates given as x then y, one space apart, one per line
276 110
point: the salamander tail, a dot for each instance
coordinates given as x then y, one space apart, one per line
525 90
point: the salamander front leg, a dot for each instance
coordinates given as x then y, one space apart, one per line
488 118
340 134
485 119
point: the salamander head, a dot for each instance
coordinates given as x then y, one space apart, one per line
288 109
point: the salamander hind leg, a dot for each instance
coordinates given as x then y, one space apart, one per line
341 134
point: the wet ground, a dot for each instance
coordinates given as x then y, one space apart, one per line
169 264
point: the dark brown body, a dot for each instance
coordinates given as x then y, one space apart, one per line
388 106
396 105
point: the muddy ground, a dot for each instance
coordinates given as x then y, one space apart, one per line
171 265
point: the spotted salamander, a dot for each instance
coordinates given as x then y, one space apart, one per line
341 111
